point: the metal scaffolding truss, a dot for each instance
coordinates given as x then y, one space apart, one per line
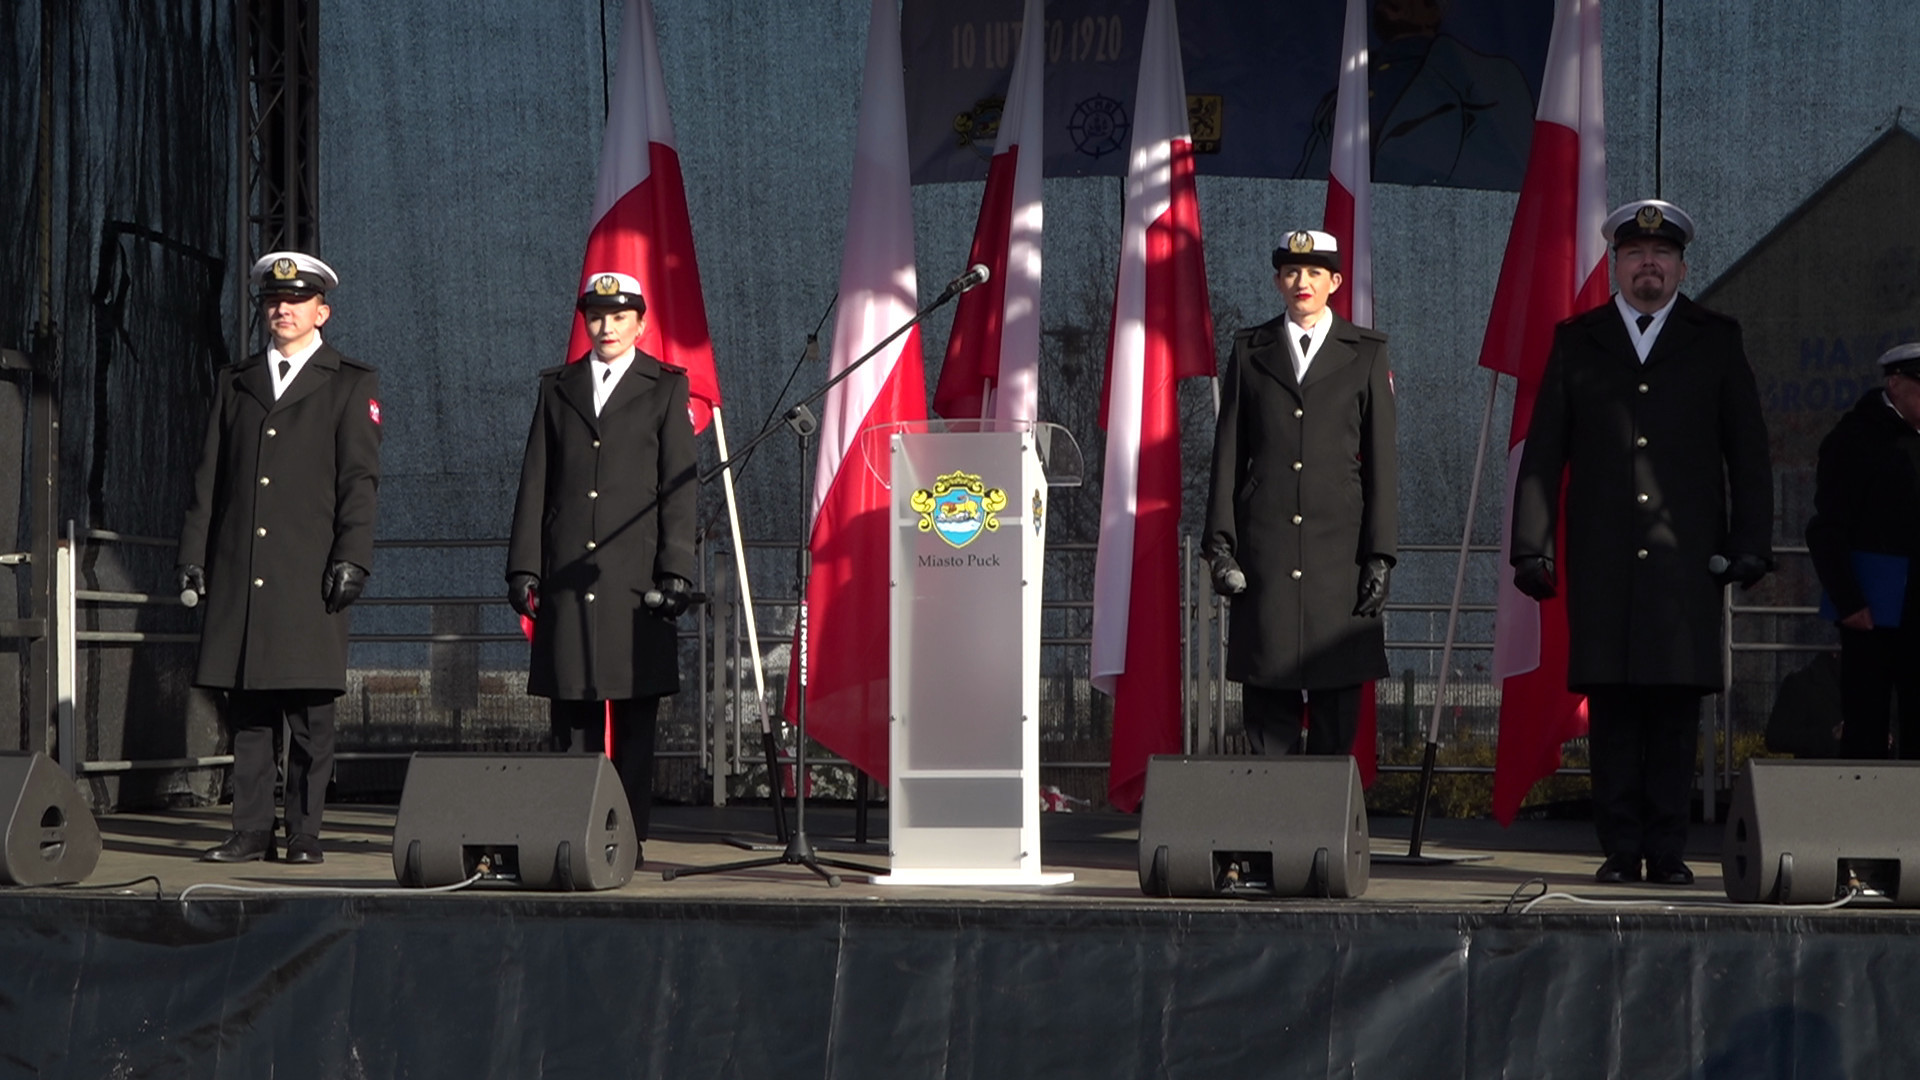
278 66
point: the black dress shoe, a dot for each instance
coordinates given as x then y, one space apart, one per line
1668 870
304 848
1618 870
250 845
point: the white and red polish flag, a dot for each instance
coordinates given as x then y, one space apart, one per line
1555 267
1349 218
1349 214
640 222
846 597
992 367
1162 332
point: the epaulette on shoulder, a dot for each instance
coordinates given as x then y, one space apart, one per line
672 368
1368 333
352 363
554 370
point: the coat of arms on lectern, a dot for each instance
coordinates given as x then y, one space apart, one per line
959 507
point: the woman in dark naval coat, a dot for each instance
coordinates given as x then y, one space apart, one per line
1301 519
602 547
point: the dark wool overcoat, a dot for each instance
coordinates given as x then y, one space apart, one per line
284 489
1665 465
1303 492
1867 499
606 506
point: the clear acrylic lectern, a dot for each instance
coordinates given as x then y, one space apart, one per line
969 514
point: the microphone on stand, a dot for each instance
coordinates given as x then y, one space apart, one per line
977 274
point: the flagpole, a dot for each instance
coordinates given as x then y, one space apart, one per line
1413 854
740 563
753 628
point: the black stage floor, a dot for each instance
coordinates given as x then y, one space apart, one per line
332 971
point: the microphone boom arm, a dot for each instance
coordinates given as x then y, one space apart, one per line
798 409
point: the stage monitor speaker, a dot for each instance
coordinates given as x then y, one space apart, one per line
51 836
1806 832
541 821
1253 826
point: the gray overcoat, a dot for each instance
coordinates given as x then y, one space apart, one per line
1303 492
284 488
1666 465
606 506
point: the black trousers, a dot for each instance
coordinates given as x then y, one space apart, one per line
580 727
1873 665
1641 741
254 716
1273 717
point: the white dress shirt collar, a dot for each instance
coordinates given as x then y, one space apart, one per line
607 375
1316 337
294 362
1643 340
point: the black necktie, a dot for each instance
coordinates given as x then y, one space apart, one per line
1643 322
285 366
1306 343
607 373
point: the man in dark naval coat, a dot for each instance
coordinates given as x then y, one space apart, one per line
1301 519
602 547
279 539
1865 539
1649 408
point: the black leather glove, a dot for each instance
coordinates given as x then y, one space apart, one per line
1533 575
190 577
1746 570
674 595
1228 578
1375 577
342 585
523 592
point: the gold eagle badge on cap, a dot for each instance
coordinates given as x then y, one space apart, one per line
1649 217
1300 243
606 285
285 270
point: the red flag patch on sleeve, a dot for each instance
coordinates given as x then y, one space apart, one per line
373 410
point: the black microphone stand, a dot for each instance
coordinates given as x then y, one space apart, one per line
801 420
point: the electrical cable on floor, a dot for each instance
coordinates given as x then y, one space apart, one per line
159 890
300 890
1852 895
1507 908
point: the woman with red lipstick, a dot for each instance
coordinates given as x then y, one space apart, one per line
602 546
1302 520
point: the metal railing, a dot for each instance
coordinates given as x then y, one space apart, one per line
726 717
